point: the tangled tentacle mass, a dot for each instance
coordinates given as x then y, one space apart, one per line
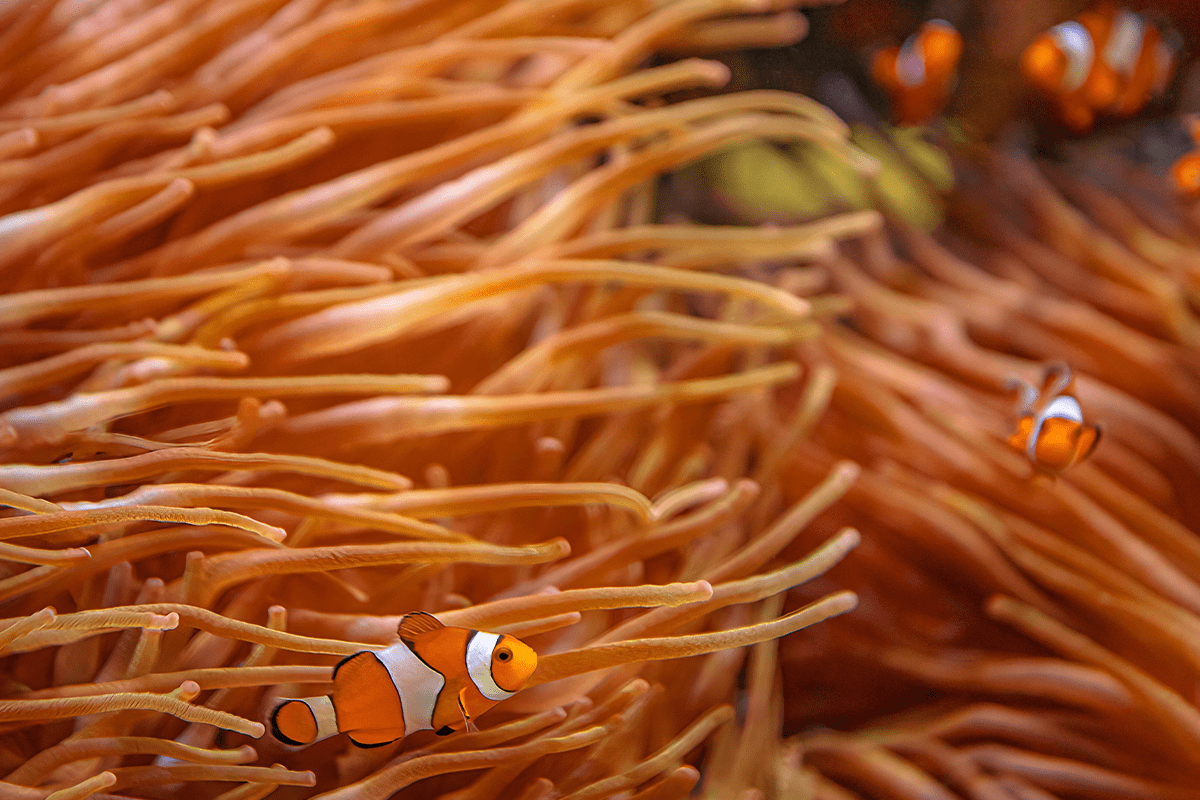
319 312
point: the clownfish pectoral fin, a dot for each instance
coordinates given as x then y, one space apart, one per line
415 624
462 705
468 724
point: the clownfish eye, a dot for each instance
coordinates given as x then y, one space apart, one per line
503 655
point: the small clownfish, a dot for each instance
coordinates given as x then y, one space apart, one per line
1185 172
1185 175
1104 61
920 74
1143 56
1051 431
436 678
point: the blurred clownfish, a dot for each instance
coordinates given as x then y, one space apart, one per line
1051 430
920 74
436 678
1185 172
1185 175
1105 61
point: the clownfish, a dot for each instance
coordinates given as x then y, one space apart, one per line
1185 175
1107 60
436 678
920 74
1185 172
1051 430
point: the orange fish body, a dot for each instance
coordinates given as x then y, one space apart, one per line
1051 431
1105 61
1138 52
1064 64
436 678
919 75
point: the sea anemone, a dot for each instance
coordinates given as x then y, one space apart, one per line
319 313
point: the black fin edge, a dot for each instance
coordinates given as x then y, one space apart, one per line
370 746
343 662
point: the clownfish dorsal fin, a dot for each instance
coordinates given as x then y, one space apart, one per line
417 624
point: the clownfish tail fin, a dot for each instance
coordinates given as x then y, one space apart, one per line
303 722
883 67
288 732
414 624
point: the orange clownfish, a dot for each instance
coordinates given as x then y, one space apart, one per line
436 678
1051 430
1185 172
1185 175
919 75
1104 61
